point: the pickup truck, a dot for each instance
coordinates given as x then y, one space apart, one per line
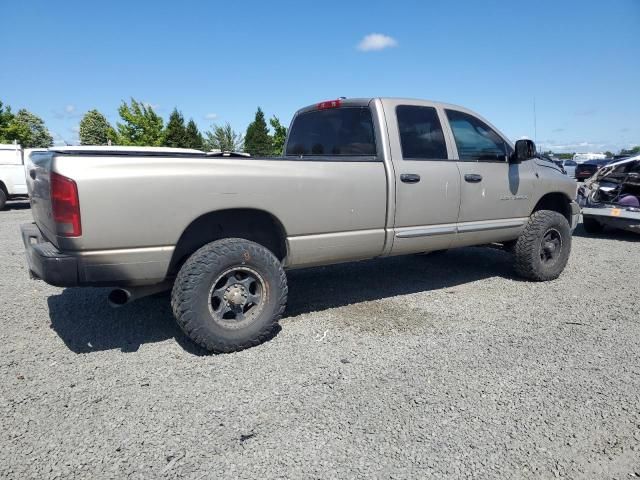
358 179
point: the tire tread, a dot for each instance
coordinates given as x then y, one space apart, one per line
529 240
193 272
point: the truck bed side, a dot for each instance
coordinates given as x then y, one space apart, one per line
135 208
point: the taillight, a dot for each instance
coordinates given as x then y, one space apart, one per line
329 104
65 206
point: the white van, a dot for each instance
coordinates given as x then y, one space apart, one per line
13 183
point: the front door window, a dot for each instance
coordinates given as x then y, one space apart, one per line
476 141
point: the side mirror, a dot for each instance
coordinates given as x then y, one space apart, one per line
525 149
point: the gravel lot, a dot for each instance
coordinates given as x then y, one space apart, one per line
422 366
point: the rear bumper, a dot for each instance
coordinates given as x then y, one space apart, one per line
117 267
45 261
584 174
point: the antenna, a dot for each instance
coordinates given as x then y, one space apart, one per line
535 122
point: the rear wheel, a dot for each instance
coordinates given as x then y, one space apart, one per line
542 250
591 225
229 295
3 199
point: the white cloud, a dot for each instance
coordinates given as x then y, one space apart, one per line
211 116
376 41
68 111
154 106
58 140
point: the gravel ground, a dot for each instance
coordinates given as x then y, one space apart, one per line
422 366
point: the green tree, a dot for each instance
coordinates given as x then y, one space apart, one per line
279 136
29 130
5 119
95 129
193 137
141 125
634 150
175 134
257 140
224 139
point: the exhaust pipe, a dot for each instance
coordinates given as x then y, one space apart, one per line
121 296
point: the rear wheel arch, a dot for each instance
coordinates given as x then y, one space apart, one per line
556 202
256 225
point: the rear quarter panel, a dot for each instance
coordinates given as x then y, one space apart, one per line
134 201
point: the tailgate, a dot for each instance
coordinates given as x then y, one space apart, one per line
40 192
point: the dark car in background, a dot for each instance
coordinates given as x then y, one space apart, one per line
588 168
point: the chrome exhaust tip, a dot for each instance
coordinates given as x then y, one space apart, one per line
119 297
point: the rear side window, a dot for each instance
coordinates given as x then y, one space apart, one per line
476 141
421 134
346 131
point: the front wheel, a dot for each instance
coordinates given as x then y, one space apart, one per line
3 199
229 295
542 250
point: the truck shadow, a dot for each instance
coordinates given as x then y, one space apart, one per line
16 205
86 323
322 288
607 234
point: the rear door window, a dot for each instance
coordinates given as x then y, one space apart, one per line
333 132
476 141
421 136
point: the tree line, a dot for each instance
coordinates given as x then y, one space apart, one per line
24 127
140 125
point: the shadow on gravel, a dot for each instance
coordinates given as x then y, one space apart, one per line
16 205
322 288
608 234
86 323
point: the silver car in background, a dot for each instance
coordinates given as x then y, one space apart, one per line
570 167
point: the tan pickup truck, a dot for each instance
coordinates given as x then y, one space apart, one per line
359 178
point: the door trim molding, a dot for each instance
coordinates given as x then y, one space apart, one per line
484 225
465 227
425 231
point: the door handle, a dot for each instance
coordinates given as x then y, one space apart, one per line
32 173
410 177
473 178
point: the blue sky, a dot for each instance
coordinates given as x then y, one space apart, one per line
217 61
